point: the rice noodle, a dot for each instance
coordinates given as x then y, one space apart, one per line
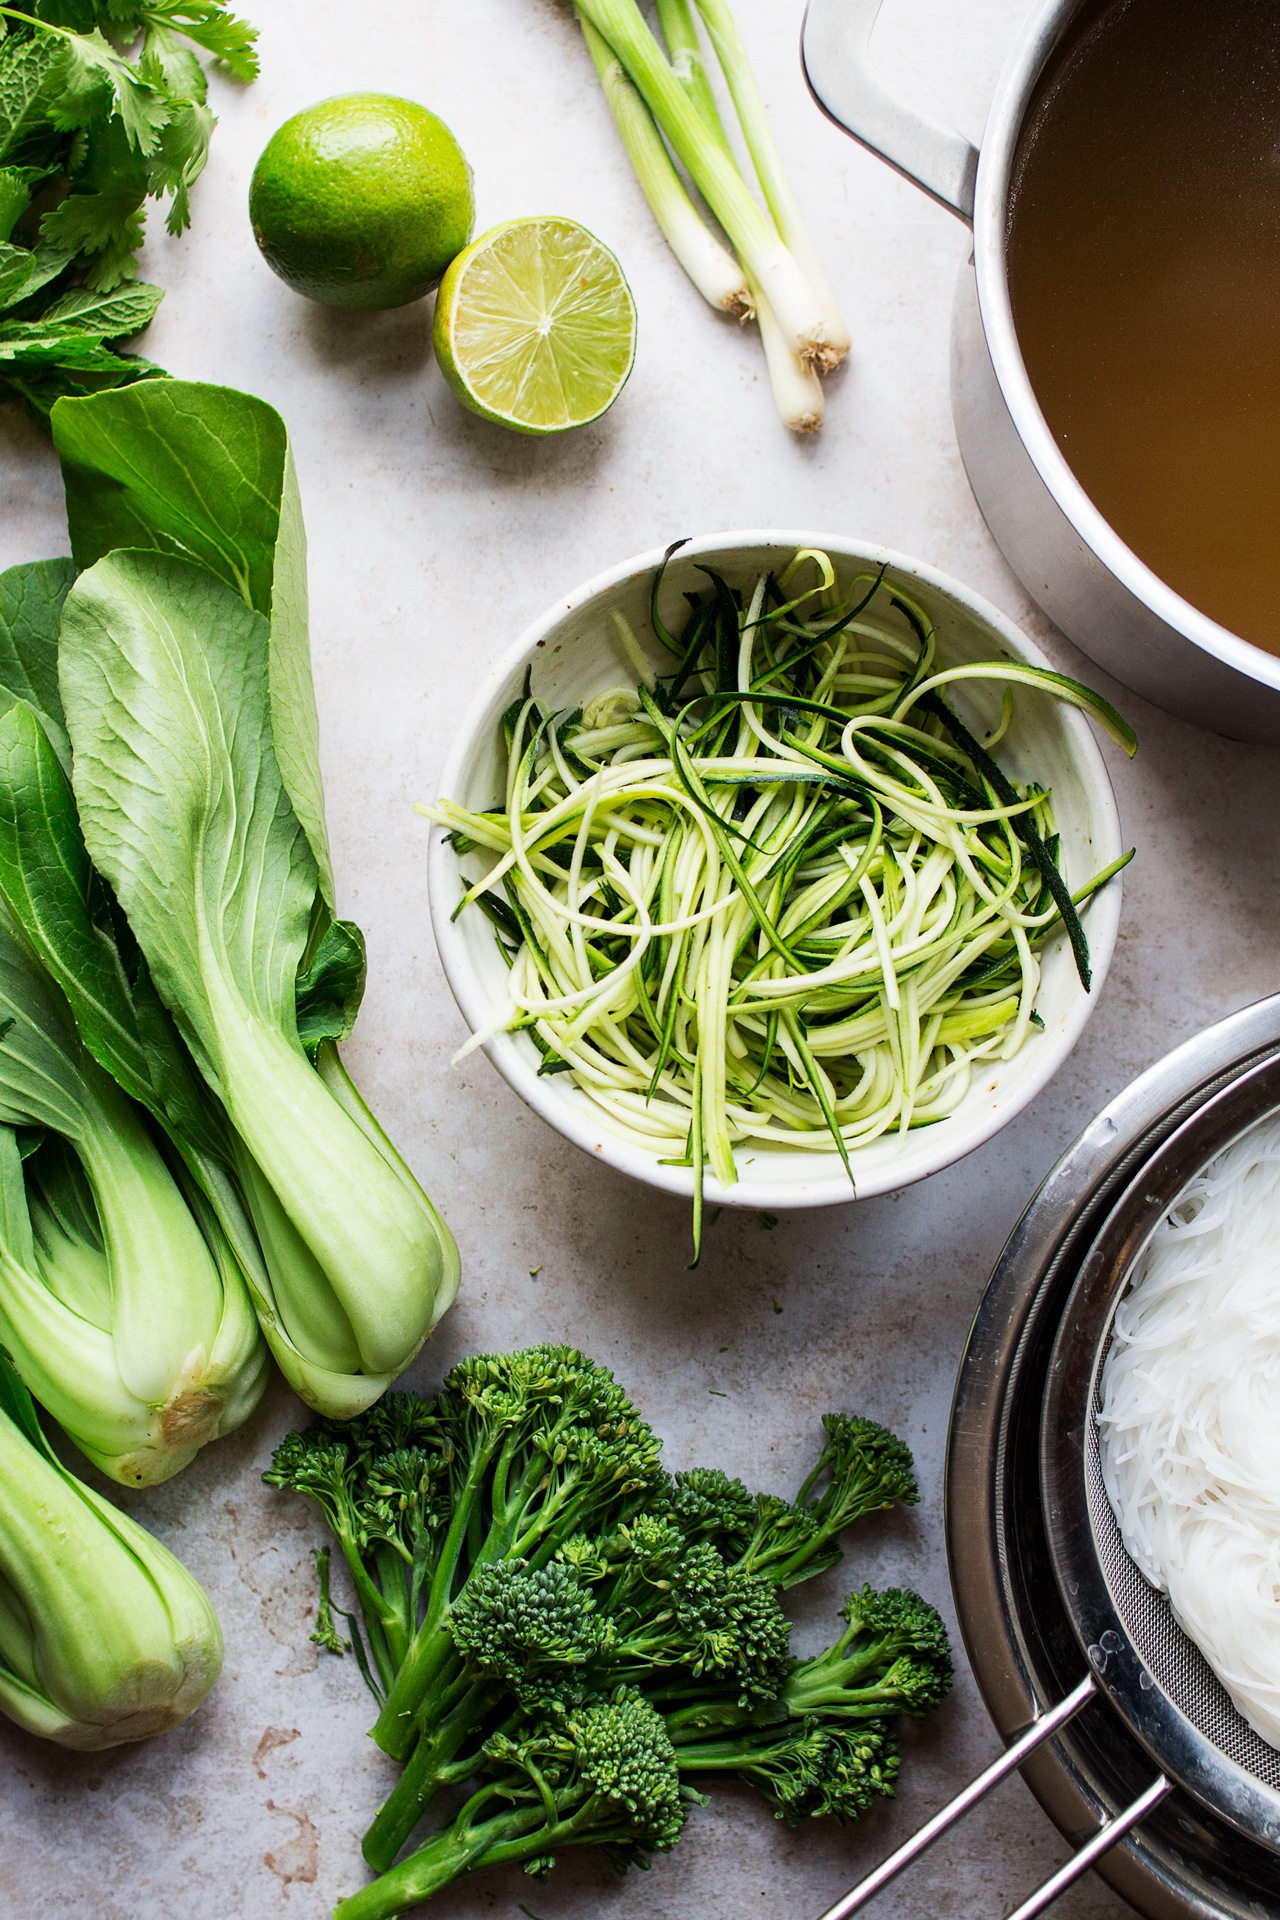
1190 1419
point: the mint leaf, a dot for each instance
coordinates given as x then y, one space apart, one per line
111 316
15 198
17 268
42 387
25 67
44 263
31 344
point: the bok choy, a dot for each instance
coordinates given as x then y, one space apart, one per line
121 1320
187 697
104 1636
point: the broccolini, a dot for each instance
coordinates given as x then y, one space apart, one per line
520 1560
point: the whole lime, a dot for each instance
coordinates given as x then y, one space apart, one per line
362 201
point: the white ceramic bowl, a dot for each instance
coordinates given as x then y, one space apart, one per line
573 655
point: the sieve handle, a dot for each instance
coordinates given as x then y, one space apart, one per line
1039 1731
1108 1833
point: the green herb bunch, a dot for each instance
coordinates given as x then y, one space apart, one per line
537 1596
87 135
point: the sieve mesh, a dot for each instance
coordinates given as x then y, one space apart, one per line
1170 1656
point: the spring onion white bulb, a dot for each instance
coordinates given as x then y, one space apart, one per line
1190 1419
797 390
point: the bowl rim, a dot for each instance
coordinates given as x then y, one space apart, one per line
830 1185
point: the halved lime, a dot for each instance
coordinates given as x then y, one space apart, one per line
535 326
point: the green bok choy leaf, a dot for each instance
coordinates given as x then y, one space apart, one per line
104 1636
165 683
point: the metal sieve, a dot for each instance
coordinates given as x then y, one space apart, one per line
1139 1660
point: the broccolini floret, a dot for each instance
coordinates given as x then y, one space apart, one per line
804 1768
862 1468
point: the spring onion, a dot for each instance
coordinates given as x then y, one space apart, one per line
767 161
713 270
801 316
782 897
797 390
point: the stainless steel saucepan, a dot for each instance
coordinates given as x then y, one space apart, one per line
1067 556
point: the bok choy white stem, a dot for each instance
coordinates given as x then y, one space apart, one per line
104 1636
164 678
140 1342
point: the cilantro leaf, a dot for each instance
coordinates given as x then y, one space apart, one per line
179 161
107 226
168 65
207 22
92 72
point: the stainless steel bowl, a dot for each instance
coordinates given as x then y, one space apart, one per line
1183 1860
1067 556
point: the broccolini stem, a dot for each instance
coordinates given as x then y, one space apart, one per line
378 1612
394 1577
424 1773
521 1834
395 1729
729 1756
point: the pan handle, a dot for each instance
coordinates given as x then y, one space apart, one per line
1039 1731
835 51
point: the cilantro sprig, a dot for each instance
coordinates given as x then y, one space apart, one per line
103 105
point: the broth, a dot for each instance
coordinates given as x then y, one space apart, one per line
1144 272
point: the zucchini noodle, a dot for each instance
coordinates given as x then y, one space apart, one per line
778 896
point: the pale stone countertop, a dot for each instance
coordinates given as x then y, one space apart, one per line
434 540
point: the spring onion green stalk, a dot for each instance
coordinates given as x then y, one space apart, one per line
120 1316
781 201
750 231
797 391
784 899
713 270
104 1636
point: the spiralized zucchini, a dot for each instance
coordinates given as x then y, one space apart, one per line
779 895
